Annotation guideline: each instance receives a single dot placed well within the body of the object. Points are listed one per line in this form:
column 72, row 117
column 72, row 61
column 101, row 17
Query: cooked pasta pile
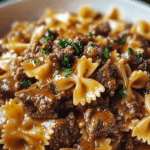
column 75, row 82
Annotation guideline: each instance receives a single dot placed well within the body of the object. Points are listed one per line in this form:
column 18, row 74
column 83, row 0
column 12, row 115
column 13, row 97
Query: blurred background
column 3, row 2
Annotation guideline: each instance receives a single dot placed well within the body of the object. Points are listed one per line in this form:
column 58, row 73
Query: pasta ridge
column 20, row 128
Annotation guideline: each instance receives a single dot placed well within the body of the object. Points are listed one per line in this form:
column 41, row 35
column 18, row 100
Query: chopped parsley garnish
column 37, row 87
column 66, row 61
column 80, row 47
column 64, row 43
column 74, row 45
column 106, row 51
column 57, row 72
column 120, row 42
column 127, row 144
column 113, row 71
column 48, row 37
column 4, row 48
column 103, row 107
column 36, row 61
column 119, row 56
column 145, row 65
column 26, row 83
column 91, row 45
column 139, row 55
column 49, row 33
column 45, row 51
column 125, row 88
column 103, row 62
column 69, row 71
column 123, row 92
column 91, row 34
column 131, row 51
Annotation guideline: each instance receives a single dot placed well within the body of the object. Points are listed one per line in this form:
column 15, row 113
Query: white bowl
column 28, row 10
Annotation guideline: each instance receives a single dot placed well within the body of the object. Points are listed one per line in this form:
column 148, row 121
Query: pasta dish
column 75, row 81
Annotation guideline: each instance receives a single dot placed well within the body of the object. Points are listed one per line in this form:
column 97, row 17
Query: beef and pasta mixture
column 75, row 81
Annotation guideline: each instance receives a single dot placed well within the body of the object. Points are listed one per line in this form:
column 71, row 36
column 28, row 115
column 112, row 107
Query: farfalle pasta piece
column 103, row 144
column 141, row 27
column 115, row 27
column 40, row 72
column 137, row 80
column 17, row 47
column 123, row 110
column 5, row 75
column 114, row 14
column 6, row 59
column 123, row 70
column 37, row 33
column 116, row 21
column 142, row 128
column 85, row 89
column 100, row 39
column 85, row 17
column 20, row 131
column 134, row 44
column 85, row 11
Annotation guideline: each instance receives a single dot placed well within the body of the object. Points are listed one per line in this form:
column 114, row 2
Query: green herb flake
column 45, row 51
column 139, row 55
column 106, row 51
column 49, row 33
column 66, row 61
column 48, row 37
column 4, row 47
column 103, row 107
column 36, row 61
column 74, row 45
column 79, row 47
column 119, row 56
column 68, row 70
column 91, row 45
column 130, row 51
column 113, row 71
column 125, row 88
column 145, row 65
column 90, row 34
column 122, row 41
column 37, row 87
column 103, row 62
column 57, row 72
column 123, row 92
column 26, row 83
column 64, row 43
